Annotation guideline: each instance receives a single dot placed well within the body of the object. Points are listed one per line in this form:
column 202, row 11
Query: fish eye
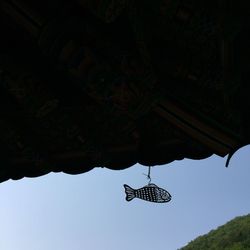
column 165, row 196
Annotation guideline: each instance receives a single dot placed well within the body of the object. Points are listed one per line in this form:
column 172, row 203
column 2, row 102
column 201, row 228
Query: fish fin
column 151, row 185
column 130, row 192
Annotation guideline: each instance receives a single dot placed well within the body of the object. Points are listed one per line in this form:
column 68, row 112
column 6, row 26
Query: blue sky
column 89, row 211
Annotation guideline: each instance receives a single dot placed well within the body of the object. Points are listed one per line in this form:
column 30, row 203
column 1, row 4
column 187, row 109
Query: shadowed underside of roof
column 107, row 84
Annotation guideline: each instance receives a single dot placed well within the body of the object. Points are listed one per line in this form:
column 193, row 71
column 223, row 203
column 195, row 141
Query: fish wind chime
column 150, row 192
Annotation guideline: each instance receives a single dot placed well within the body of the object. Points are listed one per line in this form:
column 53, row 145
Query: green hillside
column 234, row 235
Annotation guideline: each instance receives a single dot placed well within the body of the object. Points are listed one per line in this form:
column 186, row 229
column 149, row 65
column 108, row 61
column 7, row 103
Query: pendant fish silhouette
column 151, row 192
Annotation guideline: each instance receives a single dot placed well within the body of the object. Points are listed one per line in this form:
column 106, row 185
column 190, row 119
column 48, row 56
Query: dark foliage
column 234, row 235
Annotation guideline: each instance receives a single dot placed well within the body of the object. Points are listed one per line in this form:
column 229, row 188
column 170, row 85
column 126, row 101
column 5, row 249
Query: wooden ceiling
column 110, row 84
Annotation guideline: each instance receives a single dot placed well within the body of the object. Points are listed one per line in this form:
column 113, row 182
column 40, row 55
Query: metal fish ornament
column 150, row 192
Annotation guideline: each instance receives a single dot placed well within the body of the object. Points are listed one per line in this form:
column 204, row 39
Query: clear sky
column 89, row 211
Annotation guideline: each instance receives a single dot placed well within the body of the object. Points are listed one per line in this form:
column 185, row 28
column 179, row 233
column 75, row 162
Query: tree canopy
column 234, row 235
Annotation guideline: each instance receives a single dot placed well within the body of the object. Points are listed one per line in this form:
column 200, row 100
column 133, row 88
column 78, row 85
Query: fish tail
column 130, row 192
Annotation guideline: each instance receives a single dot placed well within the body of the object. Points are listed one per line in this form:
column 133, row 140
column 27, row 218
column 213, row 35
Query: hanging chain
column 148, row 175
